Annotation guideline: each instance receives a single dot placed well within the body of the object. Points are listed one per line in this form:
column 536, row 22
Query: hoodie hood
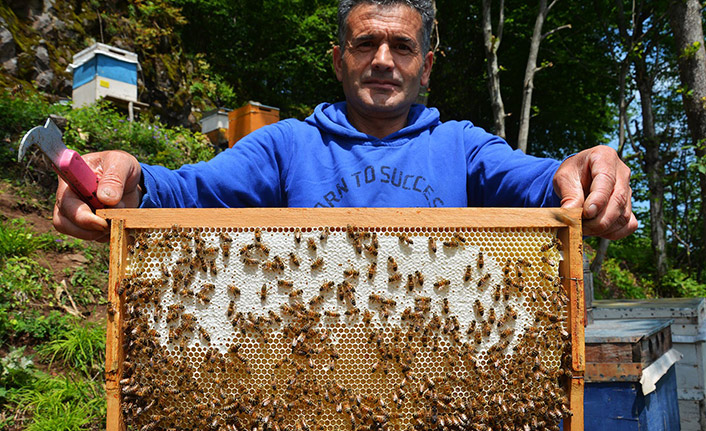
column 331, row 118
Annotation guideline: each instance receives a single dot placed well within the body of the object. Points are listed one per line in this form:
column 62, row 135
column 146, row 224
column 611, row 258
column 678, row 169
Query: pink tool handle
column 79, row 176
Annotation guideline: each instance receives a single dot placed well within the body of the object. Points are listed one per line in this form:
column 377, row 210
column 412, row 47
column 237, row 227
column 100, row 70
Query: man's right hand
column 118, row 187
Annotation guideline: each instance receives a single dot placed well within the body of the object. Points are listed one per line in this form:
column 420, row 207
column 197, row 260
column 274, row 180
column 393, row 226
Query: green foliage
column 620, row 282
column 100, row 127
column 61, row 402
column 21, row 113
column 38, row 326
column 677, row 281
column 81, row 347
column 17, row 239
column 22, row 281
column 16, row 370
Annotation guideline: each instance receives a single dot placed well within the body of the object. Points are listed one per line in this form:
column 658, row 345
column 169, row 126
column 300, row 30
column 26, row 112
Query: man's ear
column 338, row 62
column 426, row 72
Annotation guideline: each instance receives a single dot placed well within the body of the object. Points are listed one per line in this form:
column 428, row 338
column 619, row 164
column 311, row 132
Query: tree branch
column 551, row 32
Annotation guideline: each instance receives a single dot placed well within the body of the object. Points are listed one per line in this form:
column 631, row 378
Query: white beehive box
column 104, row 71
column 688, row 335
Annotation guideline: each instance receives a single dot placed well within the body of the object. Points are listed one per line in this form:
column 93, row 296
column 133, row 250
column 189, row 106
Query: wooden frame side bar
column 364, row 217
column 114, row 355
column 572, row 267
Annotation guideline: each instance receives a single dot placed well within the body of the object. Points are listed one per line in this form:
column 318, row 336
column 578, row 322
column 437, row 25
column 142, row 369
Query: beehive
column 274, row 319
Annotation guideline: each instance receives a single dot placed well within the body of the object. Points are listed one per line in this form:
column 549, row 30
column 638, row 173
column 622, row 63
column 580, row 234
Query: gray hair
column 424, row 7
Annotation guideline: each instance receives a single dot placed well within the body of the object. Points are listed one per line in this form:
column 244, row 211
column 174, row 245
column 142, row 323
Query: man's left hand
column 599, row 182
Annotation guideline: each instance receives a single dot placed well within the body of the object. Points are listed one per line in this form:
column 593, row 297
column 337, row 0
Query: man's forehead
column 400, row 20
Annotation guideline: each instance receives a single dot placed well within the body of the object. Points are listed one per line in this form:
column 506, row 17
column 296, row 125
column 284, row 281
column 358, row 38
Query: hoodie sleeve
column 246, row 175
column 499, row 176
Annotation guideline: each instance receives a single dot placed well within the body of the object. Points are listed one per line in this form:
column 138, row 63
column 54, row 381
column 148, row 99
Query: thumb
column 116, row 172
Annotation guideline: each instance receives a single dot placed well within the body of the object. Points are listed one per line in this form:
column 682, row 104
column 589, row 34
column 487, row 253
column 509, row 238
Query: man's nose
column 383, row 58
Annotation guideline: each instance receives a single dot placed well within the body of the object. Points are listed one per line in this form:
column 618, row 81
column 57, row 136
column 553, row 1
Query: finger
column 617, row 214
column 74, row 217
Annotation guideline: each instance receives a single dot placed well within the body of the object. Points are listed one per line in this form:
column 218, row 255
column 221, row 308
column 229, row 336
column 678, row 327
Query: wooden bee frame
column 566, row 224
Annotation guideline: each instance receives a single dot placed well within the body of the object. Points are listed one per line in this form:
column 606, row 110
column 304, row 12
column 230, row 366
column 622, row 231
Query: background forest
column 552, row 77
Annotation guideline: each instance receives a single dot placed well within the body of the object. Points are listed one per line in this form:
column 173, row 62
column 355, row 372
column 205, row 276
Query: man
column 376, row 149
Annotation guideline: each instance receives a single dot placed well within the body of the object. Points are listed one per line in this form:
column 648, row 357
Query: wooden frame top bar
column 313, row 217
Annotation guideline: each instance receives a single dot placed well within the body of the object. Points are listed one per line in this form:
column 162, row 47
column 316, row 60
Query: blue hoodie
column 326, row 162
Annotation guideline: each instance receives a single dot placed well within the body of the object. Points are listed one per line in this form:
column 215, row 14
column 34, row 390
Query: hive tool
column 67, row 163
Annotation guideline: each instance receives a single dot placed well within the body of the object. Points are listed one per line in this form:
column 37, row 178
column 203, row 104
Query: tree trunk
column 685, row 20
column 530, row 70
column 603, row 243
column 492, row 43
column 653, row 166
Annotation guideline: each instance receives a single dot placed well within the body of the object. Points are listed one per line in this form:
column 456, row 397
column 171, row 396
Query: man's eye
column 403, row 47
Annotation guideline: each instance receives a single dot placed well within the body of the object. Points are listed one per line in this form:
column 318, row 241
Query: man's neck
column 378, row 126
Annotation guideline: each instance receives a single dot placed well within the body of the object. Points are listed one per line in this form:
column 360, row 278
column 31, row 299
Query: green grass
column 63, row 402
column 81, row 347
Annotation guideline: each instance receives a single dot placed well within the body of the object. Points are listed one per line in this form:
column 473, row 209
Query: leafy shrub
column 19, row 114
column 38, row 326
column 677, row 281
column 619, row 282
column 100, row 127
column 81, row 347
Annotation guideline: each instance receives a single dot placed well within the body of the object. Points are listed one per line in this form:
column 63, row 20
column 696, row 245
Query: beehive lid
column 623, row 331
column 679, row 309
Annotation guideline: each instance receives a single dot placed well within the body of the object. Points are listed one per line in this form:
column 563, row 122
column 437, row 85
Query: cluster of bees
column 493, row 366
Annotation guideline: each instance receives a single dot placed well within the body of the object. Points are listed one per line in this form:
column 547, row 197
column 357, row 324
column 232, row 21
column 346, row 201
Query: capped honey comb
column 330, row 326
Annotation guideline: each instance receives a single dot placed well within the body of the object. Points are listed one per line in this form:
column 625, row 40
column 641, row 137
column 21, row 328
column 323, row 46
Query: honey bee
column 351, row 273
column 311, row 244
column 394, row 278
column 546, row 261
column 367, row 317
column 506, row 333
column 432, row 244
column 296, row 294
column 511, row 312
column 316, row 301
column 285, row 284
column 332, row 314
column 326, row 287
column 452, row 243
column 442, row 283
column 258, row 235
column 234, row 290
column 204, row 334
column 486, row 328
column 250, row 261
column 372, row 269
column 410, row 282
column 270, row 266
column 294, row 259
column 405, row 239
column 491, row 315
column 263, row 292
column 324, row 234
column 231, row 308
column 497, row 290
column 484, row 280
column 546, row 276
column 317, row 264
column 419, row 278
column 479, row 307
column 297, row 235
column 480, row 260
column 391, row 263
column 468, row 274
column 445, row 306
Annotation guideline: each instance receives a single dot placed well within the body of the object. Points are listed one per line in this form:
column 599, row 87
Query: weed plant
column 80, row 347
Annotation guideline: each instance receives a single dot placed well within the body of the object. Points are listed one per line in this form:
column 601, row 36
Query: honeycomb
column 336, row 327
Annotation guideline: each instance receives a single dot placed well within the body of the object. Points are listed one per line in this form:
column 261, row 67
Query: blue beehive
column 103, row 71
